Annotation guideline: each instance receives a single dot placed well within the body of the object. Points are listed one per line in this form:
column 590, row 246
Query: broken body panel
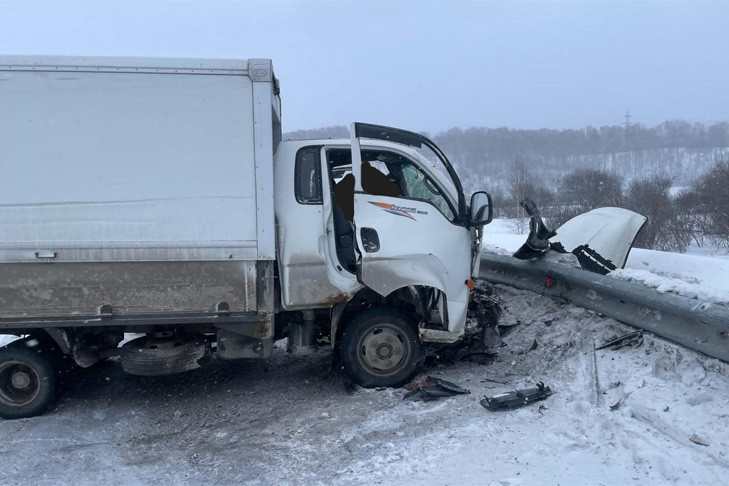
column 608, row 231
column 601, row 239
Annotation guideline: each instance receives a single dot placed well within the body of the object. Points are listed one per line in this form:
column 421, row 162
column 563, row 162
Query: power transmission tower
column 627, row 117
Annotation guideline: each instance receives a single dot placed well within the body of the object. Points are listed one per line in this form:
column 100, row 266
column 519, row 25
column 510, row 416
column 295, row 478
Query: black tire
column 63, row 365
column 147, row 357
column 27, row 382
column 380, row 348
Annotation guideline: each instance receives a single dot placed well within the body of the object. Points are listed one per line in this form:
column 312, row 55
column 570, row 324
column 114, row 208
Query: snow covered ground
column 654, row 414
column 6, row 339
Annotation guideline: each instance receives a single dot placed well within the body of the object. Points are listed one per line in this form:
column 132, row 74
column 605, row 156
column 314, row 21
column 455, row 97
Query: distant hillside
column 485, row 156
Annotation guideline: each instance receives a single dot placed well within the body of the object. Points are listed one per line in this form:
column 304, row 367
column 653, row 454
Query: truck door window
column 307, row 184
column 398, row 177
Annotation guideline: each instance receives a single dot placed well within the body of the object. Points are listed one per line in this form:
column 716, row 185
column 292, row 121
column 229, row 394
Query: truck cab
column 409, row 242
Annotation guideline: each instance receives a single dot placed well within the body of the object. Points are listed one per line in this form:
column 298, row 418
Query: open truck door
column 411, row 226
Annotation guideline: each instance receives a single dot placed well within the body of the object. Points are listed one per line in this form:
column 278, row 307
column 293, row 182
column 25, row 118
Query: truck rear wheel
column 27, row 382
column 380, row 348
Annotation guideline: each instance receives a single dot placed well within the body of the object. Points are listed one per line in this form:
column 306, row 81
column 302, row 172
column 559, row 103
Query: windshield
column 418, row 186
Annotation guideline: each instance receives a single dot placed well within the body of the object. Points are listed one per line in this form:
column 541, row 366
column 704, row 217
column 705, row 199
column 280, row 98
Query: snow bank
column 685, row 286
column 501, row 237
column 688, row 275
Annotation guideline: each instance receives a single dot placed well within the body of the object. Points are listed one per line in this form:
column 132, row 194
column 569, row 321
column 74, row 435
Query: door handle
column 45, row 254
column 370, row 240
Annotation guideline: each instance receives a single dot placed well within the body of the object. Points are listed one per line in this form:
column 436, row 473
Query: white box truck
column 156, row 196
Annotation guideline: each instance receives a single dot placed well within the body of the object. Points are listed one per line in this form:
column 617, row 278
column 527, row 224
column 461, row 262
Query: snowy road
column 289, row 420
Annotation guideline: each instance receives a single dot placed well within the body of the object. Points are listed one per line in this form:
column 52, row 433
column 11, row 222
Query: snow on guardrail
column 696, row 324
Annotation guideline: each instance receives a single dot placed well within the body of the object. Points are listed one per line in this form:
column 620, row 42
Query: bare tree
column 520, row 186
column 708, row 203
column 583, row 190
column 688, row 204
column 665, row 229
column 589, row 189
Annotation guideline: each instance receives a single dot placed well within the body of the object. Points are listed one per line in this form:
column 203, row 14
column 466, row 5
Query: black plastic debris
column 481, row 339
column 517, row 398
column 633, row 339
column 592, row 261
column 537, row 242
column 483, row 306
column 491, row 340
column 433, row 389
column 486, row 310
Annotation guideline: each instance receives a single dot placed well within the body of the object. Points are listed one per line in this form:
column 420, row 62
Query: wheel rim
column 19, row 383
column 383, row 350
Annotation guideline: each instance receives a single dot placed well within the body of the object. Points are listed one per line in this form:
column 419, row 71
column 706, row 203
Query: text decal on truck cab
column 399, row 210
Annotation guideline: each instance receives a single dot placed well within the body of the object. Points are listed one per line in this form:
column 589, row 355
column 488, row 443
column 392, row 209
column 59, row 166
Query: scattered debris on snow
column 482, row 337
column 433, row 389
column 289, row 420
column 633, row 339
column 262, row 421
column 517, row 398
column 698, row 440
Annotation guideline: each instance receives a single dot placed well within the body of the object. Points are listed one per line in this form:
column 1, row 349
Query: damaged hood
column 608, row 231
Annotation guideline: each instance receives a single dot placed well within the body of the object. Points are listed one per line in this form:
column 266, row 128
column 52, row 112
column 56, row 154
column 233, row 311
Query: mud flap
column 234, row 345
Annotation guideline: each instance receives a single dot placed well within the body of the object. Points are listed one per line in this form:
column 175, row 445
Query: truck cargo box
column 137, row 185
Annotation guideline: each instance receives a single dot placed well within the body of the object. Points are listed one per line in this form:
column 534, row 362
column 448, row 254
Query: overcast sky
column 425, row 66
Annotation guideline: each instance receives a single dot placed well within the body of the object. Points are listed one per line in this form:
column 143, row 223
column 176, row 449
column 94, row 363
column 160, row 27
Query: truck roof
column 257, row 69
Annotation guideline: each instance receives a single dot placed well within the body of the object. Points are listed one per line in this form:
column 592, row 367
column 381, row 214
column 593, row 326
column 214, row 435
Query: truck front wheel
column 27, row 382
column 380, row 348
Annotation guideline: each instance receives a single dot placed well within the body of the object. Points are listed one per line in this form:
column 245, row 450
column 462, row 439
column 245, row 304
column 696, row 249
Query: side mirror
column 481, row 211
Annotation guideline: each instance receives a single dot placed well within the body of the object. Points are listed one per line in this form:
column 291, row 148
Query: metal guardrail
column 698, row 325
